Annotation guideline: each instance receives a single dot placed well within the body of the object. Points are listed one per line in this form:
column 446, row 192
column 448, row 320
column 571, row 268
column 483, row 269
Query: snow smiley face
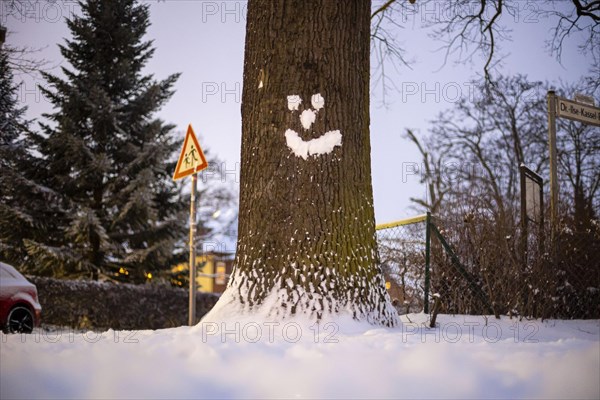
column 324, row 144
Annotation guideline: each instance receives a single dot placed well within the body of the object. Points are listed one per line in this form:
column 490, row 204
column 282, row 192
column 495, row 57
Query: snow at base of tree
column 463, row 357
column 289, row 300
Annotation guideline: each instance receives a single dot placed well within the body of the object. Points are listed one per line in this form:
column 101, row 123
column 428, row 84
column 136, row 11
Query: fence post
column 427, row 259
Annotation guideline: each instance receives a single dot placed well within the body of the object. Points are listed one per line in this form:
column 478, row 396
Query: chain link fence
column 476, row 267
column 402, row 250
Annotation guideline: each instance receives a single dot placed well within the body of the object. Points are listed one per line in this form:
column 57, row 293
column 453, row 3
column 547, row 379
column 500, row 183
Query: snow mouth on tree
column 324, row 144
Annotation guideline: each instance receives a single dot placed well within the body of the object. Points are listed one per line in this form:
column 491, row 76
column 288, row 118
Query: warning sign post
column 191, row 161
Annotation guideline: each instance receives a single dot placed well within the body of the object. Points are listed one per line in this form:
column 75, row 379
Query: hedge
column 106, row 305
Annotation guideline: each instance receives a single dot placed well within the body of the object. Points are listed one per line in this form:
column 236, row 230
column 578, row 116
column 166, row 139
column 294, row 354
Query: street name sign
column 576, row 111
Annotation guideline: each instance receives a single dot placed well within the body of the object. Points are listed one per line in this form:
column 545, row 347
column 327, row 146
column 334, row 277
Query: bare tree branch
column 381, row 9
column 22, row 60
column 587, row 10
column 469, row 28
column 385, row 47
column 581, row 18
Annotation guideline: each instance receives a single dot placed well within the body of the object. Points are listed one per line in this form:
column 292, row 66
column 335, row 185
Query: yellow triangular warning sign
column 191, row 159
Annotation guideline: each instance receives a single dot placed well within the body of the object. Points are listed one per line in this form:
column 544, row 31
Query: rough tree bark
column 306, row 227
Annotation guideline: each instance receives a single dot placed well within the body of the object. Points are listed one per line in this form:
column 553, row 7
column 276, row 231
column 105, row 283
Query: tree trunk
column 306, row 241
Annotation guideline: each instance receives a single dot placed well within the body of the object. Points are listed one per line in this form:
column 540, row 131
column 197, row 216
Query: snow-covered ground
column 461, row 358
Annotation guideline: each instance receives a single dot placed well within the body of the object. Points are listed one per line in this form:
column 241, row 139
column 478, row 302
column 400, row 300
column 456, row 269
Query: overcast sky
column 204, row 40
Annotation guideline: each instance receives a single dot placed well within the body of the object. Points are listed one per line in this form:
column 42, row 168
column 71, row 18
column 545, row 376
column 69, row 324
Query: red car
column 20, row 310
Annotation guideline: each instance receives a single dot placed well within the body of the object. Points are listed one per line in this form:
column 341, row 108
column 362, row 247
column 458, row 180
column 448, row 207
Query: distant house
column 213, row 271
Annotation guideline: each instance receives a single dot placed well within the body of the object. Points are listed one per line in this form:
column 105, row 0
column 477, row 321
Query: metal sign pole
column 191, row 161
column 524, row 232
column 553, row 161
column 193, row 286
